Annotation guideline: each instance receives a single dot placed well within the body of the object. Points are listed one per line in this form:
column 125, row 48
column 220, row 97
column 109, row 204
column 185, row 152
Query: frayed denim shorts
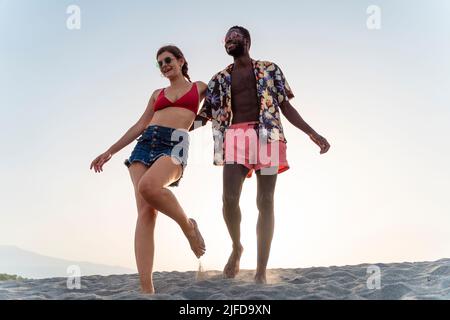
column 156, row 142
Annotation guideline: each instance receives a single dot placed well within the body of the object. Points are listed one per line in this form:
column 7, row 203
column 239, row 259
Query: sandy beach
column 419, row 280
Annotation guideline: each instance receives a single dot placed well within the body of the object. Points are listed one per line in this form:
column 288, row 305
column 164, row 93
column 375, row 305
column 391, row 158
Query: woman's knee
column 147, row 215
column 148, row 190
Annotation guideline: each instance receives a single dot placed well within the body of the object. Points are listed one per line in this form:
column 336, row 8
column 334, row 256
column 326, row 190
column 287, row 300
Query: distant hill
column 5, row 277
column 27, row 264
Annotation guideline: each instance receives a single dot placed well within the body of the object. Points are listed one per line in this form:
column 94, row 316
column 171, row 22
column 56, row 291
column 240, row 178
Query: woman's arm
column 200, row 121
column 127, row 138
column 201, row 90
column 137, row 128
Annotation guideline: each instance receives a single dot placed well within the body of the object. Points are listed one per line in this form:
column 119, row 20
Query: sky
column 379, row 96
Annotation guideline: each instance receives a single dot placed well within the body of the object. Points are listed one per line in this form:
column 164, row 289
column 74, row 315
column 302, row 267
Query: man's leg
column 233, row 179
column 265, row 226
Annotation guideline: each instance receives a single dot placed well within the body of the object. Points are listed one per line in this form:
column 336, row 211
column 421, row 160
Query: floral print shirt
column 272, row 90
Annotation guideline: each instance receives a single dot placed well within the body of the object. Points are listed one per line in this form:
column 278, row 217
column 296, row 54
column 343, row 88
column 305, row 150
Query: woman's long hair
column 178, row 54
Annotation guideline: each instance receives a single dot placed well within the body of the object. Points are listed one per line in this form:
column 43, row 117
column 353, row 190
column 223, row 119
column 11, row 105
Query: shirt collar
column 229, row 69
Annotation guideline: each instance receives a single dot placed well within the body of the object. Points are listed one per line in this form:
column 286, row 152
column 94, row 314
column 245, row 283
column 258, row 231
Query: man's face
column 235, row 43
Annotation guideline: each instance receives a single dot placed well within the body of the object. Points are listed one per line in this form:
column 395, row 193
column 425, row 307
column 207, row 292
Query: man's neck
column 243, row 61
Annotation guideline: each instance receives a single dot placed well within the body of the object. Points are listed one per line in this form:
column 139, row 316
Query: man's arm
column 294, row 117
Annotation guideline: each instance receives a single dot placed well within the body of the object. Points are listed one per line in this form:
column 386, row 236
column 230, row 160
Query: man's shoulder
column 223, row 72
column 266, row 64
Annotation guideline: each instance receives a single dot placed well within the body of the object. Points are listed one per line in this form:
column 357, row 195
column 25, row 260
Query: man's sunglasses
column 233, row 34
column 166, row 60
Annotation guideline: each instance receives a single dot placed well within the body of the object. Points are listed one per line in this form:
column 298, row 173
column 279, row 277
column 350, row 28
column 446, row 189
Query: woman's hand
column 98, row 162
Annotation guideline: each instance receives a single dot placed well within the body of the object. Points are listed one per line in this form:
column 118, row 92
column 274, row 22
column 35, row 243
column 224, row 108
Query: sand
column 419, row 280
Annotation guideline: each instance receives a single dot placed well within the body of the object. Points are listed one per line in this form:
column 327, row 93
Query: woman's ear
column 181, row 61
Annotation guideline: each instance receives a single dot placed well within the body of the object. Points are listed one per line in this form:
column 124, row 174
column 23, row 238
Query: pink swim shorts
column 243, row 146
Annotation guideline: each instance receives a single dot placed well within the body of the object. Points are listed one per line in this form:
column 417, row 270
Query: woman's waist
column 164, row 128
column 159, row 133
column 174, row 119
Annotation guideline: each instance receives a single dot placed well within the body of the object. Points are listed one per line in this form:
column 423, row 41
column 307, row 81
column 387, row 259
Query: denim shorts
column 157, row 141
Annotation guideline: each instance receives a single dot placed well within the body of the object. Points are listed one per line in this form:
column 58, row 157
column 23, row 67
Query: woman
column 159, row 158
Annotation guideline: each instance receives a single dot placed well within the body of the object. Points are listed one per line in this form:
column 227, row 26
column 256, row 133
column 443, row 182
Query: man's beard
column 237, row 51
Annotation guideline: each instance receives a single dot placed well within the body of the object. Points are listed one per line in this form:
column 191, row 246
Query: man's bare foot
column 232, row 267
column 196, row 240
column 260, row 278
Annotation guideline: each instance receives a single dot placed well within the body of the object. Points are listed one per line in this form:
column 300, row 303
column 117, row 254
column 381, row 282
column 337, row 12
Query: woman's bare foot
column 196, row 240
column 232, row 267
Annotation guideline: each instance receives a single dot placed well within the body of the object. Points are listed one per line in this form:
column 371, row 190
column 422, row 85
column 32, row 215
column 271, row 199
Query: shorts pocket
column 168, row 143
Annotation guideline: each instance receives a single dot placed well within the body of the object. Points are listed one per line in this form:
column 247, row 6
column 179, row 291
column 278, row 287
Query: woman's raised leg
column 152, row 187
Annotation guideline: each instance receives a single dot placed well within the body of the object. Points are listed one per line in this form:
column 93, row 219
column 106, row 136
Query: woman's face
column 169, row 65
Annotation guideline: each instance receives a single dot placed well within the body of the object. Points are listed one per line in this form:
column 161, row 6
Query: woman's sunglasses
column 166, row 60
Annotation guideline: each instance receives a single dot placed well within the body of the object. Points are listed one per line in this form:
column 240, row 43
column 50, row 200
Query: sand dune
column 419, row 280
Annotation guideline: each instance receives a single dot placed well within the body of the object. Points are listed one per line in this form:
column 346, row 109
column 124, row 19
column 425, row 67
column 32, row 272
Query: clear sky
column 380, row 97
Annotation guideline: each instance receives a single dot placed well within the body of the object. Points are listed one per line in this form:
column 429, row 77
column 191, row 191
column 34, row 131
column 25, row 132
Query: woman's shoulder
column 201, row 85
column 157, row 92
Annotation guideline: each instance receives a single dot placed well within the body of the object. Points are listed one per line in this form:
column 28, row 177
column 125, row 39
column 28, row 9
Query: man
column 244, row 102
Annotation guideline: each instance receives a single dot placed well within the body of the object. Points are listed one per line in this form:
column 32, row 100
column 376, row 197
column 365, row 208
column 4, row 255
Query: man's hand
column 294, row 117
column 320, row 141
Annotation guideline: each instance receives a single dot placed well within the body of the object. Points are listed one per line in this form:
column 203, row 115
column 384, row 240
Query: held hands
column 320, row 141
column 98, row 162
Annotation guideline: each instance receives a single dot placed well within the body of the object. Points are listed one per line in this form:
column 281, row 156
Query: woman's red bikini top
column 188, row 101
